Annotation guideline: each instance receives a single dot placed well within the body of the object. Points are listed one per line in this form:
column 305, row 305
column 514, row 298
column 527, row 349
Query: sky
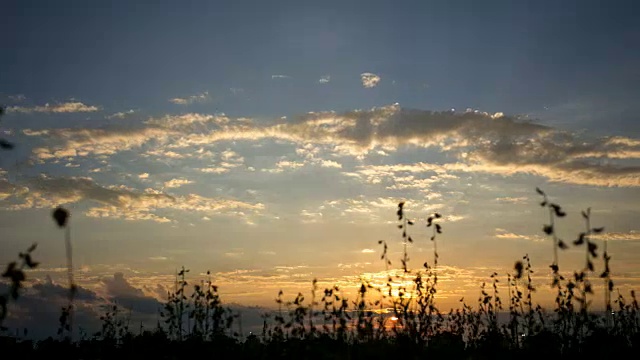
column 271, row 142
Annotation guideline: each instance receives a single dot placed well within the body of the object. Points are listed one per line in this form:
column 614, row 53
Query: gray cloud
column 121, row 292
column 39, row 305
column 38, row 309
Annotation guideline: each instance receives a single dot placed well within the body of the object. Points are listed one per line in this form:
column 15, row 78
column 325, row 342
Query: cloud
column 118, row 202
column 512, row 200
column 330, row 164
column 67, row 107
column 186, row 121
column 158, row 258
column 476, row 142
column 85, row 142
column 214, row 170
column 38, row 308
column 234, row 254
column 174, row 183
column 121, row 115
column 121, row 292
column 309, row 217
column 197, row 98
column 280, row 77
column 7, row 189
column 286, row 164
column 17, row 98
column 367, row 251
column 325, row 79
column 504, row 234
column 231, row 157
column 369, row 80
column 373, row 210
column 633, row 235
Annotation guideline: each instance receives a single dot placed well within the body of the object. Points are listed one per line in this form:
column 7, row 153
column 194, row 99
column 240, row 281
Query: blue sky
column 516, row 58
column 270, row 142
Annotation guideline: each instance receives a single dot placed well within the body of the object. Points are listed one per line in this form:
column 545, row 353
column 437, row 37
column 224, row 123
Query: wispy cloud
column 197, row 98
column 325, row 79
column 310, row 217
column 369, row 80
column 512, row 200
column 174, row 183
column 121, row 114
column 117, row 202
column 66, row 107
column 633, row 235
column 17, row 98
column 505, row 234
column 158, row 258
column 280, row 76
column 234, row 254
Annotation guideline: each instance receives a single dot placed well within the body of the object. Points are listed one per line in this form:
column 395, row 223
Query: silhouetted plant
column 384, row 256
column 582, row 278
column 4, row 144
column 529, row 299
column 608, row 283
column 550, row 229
column 437, row 229
column 564, row 295
column 407, row 318
column 61, row 218
column 115, row 328
column 16, row 275
column 405, row 237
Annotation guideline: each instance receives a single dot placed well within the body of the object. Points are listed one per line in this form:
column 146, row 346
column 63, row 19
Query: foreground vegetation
column 399, row 318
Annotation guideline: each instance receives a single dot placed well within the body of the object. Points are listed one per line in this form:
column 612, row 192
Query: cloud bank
column 477, row 142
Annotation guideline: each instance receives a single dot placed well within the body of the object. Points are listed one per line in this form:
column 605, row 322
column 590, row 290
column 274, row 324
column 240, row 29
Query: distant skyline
column 270, row 142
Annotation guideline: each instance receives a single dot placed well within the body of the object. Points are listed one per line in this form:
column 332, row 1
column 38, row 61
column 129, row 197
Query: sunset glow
column 272, row 146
